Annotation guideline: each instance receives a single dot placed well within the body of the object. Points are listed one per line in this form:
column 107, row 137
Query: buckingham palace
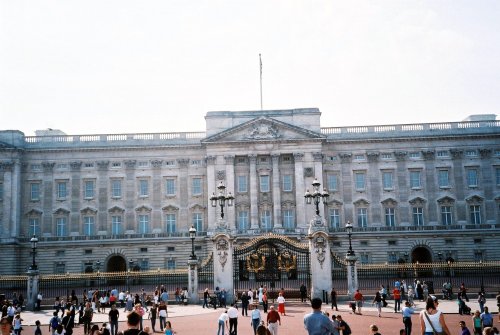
column 422, row 192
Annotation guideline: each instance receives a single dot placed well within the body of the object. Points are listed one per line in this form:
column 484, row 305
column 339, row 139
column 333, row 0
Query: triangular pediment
column 263, row 128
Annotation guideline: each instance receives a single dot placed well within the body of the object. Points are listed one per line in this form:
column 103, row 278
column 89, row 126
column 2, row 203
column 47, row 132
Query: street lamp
column 348, row 227
column 317, row 195
column 221, row 198
column 98, row 265
column 192, row 236
column 34, row 242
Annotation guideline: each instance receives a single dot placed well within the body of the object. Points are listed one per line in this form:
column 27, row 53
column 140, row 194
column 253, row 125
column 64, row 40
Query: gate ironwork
column 273, row 261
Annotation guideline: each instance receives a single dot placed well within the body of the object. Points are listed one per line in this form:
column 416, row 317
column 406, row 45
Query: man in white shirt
column 232, row 313
column 222, row 321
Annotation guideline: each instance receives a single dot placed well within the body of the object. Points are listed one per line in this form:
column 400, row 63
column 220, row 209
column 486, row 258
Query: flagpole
column 260, row 61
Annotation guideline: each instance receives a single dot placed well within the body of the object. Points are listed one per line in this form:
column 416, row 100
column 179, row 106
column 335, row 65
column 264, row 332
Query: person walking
column 256, row 319
column 281, row 304
column 113, row 316
column 88, row 313
column 481, row 299
column 396, row 293
column 133, row 323
column 162, row 313
column 486, row 318
column 407, row 312
column 303, row 293
column 273, row 321
column 358, row 299
column 265, row 302
column 463, row 328
column 477, row 323
column 232, row 313
column 222, row 322
column 153, row 314
column 333, row 297
column 244, row 304
column 205, row 298
column 431, row 319
column 316, row 323
column 377, row 301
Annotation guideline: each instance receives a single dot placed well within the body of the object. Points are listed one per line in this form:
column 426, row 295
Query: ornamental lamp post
column 34, row 242
column 192, row 236
column 352, row 272
column 348, row 227
column 221, row 199
column 317, row 195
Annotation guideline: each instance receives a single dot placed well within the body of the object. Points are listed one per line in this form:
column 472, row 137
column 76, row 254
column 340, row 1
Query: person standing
column 153, row 313
column 463, row 292
column 358, row 298
column 431, row 319
column 256, row 319
column 273, row 320
column 88, row 313
column 333, row 297
column 205, row 298
column 316, row 323
column 477, row 322
column 68, row 322
column 244, row 304
column 222, row 322
column 486, row 318
column 133, row 323
column 407, row 312
column 396, row 293
column 265, row 302
column 281, row 303
column 162, row 313
column 113, row 319
column 232, row 313
column 481, row 299
column 303, row 293
column 463, row 328
column 377, row 300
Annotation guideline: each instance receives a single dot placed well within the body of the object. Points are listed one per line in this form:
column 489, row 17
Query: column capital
column 317, row 156
column 298, row 156
column 156, row 163
column 48, row 166
column 75, row 165
column 211, row 160
column 252, row 158
column 229, row 159
column 102, row 165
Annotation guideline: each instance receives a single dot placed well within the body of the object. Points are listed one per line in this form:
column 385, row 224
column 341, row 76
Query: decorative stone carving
column 428, row 154
column 102, row 165
column 345, row 157
column 48, row 166
column 221, row 175
column 252, row 158
column 229, row 159
column 75, row 165
column 372, row 156
column 275, row 158
column 88, row 211
column 222, row 246
column 417, row 201
column 317, row 156
column 446, row 201
column 298, row 156
column 485, row 153
column 400, row 155
column 287, row 261
column 319, row 243
column 262, row 131
column 389, row 202
column 211, row 159
column 130, row 163
column 183, row 162
column 456, row 153
column 308, row 172
column 157, row 163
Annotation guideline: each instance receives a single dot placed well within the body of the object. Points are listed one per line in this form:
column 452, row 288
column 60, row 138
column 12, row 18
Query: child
column 18, row 327
column 38, row 331
column 168, row 329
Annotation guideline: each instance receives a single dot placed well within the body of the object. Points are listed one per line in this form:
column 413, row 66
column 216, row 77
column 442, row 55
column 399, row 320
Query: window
column 143, row 223
column 446, row 217
column 88, row 165
column 34, row 226
column 392, row 258
column 415, row 181
column 443, row 178
column 287, row 183
column 387, row 180
column 116, row 225
column 362, row 217
column 170, row 248
column 386, row 156
column 242, row 184
column 198, row 221
column 497, row 179
column 62, row 166
column 359, row 157
column 392, row 242
column 143, row 164
column 1, row 191
column 414, row 155
column 472, row 177
column 331, row 180
column 196, row 186
column 334, row 218
column 62, row 189
column 171, row 264
column 61, row 226
column 443, row 153
column 170, row 187
column 265, row 220
column 60, row 268
column 144, row 264
column 418, row 216
column 243, row 221
column 35, row 191
column 390, row 217
column 364, row 258
column 359, row 180
column 36, row 167
column 475, row 214
column 143, row 249
column 116, row 188
column 264, row 183
column 170, row 163
column 143, row 188
column 288, row 219
column 470, row 153
column 170, row 223
column 88, row 225
column 116, row 165
column 478, row 256
column 88, row 189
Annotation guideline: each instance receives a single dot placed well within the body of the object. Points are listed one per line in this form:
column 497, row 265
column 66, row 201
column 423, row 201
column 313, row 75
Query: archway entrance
column 116, row 264
column 421, row 255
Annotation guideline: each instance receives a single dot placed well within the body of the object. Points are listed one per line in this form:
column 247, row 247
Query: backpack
column 54, row 322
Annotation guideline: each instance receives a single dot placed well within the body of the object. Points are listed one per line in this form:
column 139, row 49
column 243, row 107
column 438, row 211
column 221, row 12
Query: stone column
column 32, row 291
column 193, row 281
column 300, row 190
column 230, row 187
column 321, row 262
column 223, row 264
column 212, row 187
column 254, row 208
column 276, row 193
column 352, row 275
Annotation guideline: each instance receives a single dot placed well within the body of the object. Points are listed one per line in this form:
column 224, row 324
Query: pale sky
column 92, row 67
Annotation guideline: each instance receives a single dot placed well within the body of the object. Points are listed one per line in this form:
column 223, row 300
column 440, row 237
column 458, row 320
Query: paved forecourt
column 201, row 321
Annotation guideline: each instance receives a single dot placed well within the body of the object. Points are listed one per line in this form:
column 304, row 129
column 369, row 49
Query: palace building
column 422, row 192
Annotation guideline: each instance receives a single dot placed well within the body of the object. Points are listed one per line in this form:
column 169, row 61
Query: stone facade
column 414, row 192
